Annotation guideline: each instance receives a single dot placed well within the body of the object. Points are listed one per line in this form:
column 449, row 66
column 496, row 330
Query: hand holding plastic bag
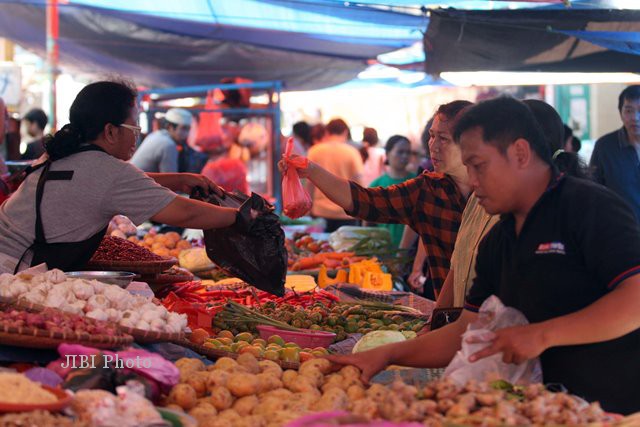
column 493, row 316
column 253, row 248
column 296, row 200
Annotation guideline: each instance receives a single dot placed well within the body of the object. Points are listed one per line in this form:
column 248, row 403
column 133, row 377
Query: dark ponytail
column 95, row 106
column 554, row 133
column 64, row 143
column 570, row 164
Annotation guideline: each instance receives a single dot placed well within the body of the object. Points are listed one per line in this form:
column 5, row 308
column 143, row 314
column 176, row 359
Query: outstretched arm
column 431, row 350
column 183, row 212
column 185, row 182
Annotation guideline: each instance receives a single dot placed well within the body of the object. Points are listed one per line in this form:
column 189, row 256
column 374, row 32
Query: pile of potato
column 248, row 393
column 163, row 244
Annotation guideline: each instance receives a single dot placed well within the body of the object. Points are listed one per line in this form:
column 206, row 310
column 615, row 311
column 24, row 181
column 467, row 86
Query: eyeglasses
column 135, row 129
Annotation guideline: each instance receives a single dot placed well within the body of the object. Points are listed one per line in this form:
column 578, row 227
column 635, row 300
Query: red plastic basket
column 306, row 339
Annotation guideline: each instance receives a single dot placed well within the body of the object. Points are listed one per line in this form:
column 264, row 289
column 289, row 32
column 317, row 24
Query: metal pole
column 277, row 149
column 52, row 59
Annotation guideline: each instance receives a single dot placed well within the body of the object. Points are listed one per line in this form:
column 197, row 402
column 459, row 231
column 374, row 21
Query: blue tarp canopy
column 307, row 44
column 167, row 43
column 570, row 40
column 620, row 41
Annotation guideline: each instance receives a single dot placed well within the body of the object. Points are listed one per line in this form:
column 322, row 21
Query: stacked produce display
column 242, row 356
column 245, row 392
column 91, row 299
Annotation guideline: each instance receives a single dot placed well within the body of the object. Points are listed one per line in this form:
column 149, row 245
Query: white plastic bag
column 493, row 316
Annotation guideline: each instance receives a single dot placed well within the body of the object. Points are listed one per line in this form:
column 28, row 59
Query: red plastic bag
column 209, row 132
column 296, row 200
column 230, row 174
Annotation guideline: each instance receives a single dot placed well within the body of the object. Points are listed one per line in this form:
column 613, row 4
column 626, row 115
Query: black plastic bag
column 252, row 249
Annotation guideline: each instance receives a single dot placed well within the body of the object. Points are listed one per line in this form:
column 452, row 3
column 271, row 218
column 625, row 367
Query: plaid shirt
column 431, row 204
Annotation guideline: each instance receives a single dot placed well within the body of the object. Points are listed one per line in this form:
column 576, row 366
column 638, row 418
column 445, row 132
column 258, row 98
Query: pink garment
column 374, row 166
column 230, row 174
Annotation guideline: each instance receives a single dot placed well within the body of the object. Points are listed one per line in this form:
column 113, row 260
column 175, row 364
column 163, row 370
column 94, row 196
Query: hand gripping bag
column 252, row 249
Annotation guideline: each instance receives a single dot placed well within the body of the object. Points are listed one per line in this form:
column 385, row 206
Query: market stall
column 239, row 327
column 261, row 123
column 220, row 352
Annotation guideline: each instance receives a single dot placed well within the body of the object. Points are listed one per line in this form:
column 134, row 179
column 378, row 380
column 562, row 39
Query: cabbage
column 195, row 260
column 348, row 237
column 376, row 339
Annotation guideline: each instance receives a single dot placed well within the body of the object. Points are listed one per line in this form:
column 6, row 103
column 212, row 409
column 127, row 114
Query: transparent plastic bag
column 493, row 316
column 295, row 198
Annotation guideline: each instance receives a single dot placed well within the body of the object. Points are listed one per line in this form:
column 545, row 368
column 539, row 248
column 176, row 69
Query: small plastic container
column 306, row 339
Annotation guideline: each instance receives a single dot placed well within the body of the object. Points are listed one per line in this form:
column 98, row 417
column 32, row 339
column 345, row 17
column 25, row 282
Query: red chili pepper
column 329, row 296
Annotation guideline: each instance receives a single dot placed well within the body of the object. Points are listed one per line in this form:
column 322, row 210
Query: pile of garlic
column 91, row 298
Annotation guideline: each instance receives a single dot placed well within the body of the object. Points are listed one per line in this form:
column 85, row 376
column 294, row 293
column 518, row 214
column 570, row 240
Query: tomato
column 304, row 356
column 314, row 247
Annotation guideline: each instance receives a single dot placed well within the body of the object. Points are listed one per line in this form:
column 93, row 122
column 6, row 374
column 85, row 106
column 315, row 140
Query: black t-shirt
column 34, row 150
column 579, row 242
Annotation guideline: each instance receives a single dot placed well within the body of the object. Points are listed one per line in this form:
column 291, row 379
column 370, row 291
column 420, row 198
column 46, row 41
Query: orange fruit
column 199, row 336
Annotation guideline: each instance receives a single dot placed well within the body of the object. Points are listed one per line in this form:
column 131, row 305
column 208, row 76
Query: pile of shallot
column 92, row 299
column 52, row 320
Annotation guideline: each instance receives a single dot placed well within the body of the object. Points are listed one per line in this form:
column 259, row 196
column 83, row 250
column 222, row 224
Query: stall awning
column 533, row 40
column 167, row 43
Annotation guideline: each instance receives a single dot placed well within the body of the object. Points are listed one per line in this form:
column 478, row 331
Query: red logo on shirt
column 551, row 248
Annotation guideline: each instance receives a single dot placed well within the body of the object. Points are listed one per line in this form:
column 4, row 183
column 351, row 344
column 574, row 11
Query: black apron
column 67, row 256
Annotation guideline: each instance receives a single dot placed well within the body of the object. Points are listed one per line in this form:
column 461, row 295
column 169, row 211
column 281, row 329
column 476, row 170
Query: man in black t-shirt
column 566, row 253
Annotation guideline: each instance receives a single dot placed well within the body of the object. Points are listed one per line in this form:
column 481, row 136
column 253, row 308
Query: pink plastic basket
column 306, row 339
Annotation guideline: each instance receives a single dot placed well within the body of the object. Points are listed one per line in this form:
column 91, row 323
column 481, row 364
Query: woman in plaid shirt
column 431, row 204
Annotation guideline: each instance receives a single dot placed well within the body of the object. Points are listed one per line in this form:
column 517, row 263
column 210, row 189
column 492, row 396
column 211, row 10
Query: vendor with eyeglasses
column 61, row 211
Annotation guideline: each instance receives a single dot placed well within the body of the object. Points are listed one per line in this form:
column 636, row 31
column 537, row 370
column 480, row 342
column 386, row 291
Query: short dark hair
column 568, row 132
column 503, row 120
column 337, row 127
column 425, row 137
column 302, row 130
column 576, row 144
column 629, row 93
column 370, row 135
column 317, row 132
column 451, row 112
column 37, row 116
column 393, row 141
column 452, row 109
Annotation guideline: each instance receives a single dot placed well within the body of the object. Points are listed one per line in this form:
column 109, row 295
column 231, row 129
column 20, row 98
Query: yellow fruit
column 276, row 339
column 225, row 334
